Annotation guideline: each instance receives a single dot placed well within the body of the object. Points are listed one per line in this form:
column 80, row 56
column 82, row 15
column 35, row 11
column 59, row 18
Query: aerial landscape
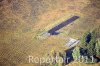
column 49, row 32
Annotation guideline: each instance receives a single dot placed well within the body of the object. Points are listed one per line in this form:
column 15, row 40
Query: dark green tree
column 83, row 42
column 88, row 42
column 91, row 45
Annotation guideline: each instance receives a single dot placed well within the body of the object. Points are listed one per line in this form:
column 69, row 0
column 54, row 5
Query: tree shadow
column 69, row 57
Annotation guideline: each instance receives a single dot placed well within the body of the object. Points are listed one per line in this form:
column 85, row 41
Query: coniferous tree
column 83, row 43
column 91, row 46
column 98, row 48
column 76, row 53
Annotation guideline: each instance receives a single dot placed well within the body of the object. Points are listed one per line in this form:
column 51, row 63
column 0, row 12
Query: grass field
column 21, row 21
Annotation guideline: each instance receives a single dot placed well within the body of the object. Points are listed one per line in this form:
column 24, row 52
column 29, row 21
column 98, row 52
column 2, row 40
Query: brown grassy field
column 21, row 21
